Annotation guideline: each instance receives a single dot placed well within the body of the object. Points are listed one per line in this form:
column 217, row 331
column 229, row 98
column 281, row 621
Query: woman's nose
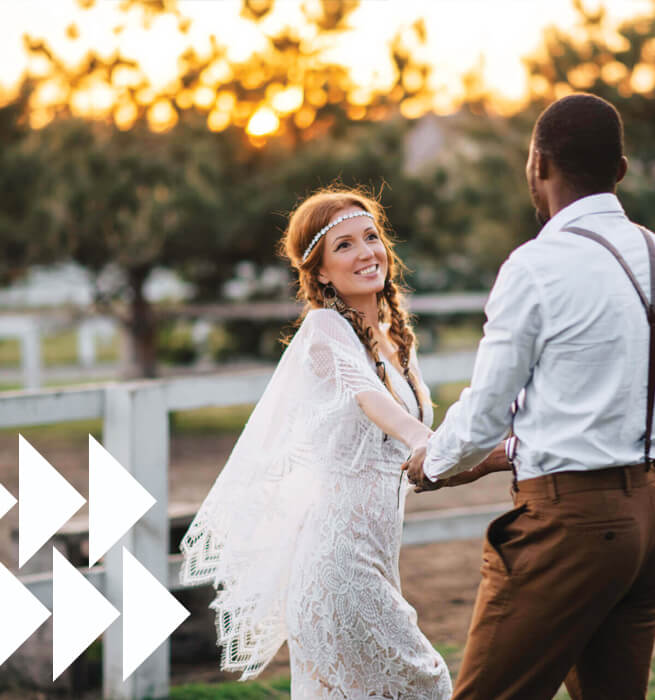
column 364, row 251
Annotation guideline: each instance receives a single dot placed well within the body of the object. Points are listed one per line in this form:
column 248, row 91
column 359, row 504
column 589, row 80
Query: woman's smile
column 370, row 271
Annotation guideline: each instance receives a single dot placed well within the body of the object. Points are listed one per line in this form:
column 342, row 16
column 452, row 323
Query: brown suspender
column 649, row 307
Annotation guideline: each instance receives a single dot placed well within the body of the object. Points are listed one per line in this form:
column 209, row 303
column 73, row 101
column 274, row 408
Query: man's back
column 585, row 405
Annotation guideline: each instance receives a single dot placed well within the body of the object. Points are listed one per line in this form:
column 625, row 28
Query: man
column 568, row 575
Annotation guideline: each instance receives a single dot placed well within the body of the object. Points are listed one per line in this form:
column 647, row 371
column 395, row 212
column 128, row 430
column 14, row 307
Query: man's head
column 576, row 150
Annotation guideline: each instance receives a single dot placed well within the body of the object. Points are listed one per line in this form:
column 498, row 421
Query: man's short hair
column 583, row 135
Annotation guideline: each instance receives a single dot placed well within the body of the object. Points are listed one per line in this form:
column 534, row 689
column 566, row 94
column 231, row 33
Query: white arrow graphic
column 116, row 500
column 150, row 613
column 80, row 613
column 21, row 613
column 46, row 501
column 7, row 501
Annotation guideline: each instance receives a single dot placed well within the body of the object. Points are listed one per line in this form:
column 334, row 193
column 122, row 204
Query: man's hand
column 496, row 461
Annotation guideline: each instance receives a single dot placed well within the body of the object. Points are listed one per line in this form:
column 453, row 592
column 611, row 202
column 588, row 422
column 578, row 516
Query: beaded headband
column 332, row 224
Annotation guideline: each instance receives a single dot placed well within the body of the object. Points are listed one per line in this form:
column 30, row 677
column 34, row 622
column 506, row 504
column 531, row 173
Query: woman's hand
column 414, row 467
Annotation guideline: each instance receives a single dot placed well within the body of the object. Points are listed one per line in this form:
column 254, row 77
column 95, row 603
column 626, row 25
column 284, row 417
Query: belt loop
column 627, row 481
column 552, row 487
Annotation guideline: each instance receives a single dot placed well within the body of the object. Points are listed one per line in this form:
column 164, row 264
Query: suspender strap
column 651, row 359
column 649, row 307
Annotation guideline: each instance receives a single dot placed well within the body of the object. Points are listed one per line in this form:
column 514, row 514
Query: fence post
column 135, row 432
column 30, row 339
column 86, row 343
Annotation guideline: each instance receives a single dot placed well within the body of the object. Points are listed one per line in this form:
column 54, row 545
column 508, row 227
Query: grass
column 280, row 687
column 58, row 349
column 444, row 396
column 224, row 420
column 461, row 336
column 73, row 433
column 233, row 690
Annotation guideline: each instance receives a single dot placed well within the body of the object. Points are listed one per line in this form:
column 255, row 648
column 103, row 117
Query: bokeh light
column 262, row 75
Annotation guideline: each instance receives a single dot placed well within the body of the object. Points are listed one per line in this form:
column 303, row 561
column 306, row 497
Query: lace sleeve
column 336, row 359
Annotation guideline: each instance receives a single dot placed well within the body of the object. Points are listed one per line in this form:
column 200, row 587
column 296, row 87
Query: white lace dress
column 301, row 532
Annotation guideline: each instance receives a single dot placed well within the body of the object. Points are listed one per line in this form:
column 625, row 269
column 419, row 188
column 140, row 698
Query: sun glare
column 466, row 54
column 289, row 100
column 642, row 79
column 263, row 122
column 125, row 114
column 162, row 116
column 218, row 120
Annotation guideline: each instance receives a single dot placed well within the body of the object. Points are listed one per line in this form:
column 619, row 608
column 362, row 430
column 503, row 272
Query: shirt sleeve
column 336, row 359
column 507, row 354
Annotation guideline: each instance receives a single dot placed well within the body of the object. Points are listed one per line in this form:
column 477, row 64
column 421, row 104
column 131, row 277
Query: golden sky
column 461, row 35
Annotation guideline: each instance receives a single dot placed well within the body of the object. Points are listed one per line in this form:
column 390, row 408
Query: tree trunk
column 141, row 330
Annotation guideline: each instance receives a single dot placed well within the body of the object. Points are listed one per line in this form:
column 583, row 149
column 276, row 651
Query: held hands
column 415, row 474
column 496, row 461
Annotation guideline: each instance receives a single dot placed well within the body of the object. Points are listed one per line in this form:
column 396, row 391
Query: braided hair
column 310, row 216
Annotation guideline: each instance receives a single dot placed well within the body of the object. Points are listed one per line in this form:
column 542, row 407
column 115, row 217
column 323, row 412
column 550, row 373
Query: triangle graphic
column 116, row 500
column 80, row 613
column 46, row 501
column 150, row 613
column 7, row 501
column 21, row 613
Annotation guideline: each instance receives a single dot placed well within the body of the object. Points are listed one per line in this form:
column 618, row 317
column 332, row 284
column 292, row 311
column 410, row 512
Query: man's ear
column 542, row 165
column 623, row 169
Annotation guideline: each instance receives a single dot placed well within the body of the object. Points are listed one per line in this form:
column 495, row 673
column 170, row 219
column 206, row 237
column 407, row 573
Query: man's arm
column 507, row 354
column 496, row 461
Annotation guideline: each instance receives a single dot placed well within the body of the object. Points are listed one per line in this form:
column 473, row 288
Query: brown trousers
column 567, row 591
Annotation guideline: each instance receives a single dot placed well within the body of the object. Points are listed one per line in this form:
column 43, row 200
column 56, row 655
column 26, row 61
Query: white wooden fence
column 135, row 431
column 26, row 329
column 30, row 329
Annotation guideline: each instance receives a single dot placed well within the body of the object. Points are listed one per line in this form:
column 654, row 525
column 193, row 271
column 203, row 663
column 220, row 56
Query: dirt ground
column 439, row 580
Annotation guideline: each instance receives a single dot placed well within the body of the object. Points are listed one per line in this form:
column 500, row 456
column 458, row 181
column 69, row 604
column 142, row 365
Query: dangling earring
column 329, row 296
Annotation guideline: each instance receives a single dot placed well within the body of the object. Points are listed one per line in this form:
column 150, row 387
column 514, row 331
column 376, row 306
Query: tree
column 139, row 177
column 618, row 65
column 23, row 178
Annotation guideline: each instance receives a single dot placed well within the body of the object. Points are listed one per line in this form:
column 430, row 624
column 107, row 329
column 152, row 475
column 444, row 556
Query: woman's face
column 354, row 257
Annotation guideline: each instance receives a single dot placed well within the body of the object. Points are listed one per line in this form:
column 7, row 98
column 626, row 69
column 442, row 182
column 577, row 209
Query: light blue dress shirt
column 563, row 322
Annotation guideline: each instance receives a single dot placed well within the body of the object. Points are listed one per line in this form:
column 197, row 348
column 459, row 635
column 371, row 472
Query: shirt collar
column 593, row 204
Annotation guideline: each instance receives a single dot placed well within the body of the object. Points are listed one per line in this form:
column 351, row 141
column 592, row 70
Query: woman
column 301, row 532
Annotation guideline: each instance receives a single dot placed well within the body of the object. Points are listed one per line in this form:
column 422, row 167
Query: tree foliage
column 118, row 186
column 618, row 65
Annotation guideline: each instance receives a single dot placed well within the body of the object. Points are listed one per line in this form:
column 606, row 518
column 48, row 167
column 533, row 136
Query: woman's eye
column 341, row 245
column 372, row 235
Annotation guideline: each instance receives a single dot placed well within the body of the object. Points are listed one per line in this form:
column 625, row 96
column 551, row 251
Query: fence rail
column 30, row 329
column 132, row 410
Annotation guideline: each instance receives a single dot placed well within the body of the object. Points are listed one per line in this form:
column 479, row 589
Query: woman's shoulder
column 330, row 323
column 325, row 319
